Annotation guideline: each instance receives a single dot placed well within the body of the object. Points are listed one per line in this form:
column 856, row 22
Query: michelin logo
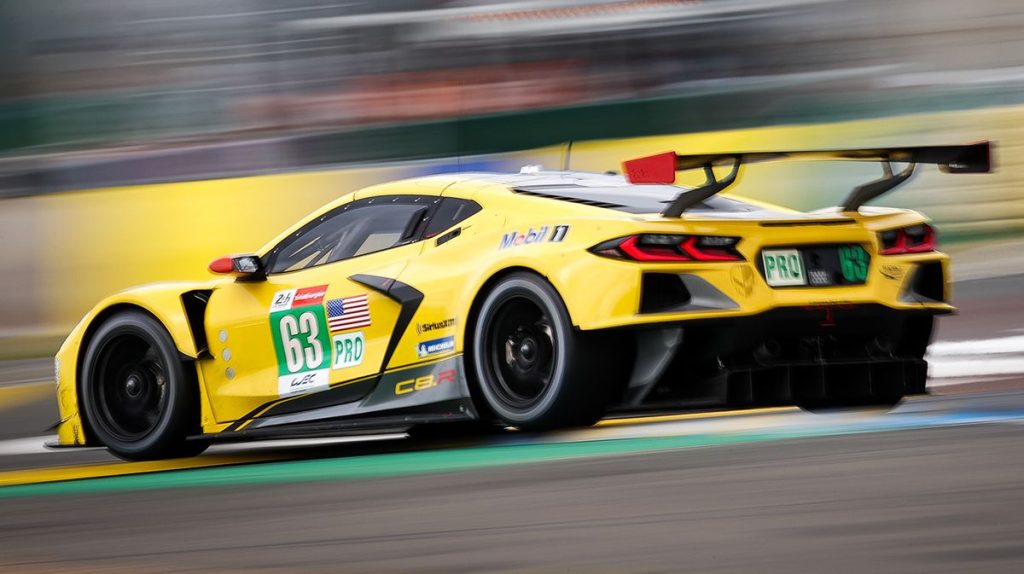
column 435, row 346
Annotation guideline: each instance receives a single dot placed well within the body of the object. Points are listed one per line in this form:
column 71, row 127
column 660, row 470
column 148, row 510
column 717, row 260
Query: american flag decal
column 348, row 313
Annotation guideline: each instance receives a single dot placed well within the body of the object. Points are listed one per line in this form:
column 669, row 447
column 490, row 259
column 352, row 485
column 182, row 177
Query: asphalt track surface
column 935, row 486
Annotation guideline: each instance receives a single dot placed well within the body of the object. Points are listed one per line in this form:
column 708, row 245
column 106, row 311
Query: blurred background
column 139, row 139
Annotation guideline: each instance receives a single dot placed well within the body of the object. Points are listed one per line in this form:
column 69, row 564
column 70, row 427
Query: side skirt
column 445, row 412
column 435, row 392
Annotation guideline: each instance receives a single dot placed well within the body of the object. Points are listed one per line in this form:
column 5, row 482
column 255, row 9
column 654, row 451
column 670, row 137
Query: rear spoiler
column 662, row 168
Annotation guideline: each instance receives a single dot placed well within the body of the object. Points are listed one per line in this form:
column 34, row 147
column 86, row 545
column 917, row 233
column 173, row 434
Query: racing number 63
column 300, row 338
column 853, row 262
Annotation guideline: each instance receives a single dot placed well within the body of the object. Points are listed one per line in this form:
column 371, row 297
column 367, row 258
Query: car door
column 309, row 326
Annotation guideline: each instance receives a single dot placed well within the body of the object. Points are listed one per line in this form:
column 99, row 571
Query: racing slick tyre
column 137, row 396
column 533, row 370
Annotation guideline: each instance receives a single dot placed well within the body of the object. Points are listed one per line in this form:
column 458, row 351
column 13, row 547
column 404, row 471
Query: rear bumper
column 806, row 355
column 634, row 295
column 847, row 382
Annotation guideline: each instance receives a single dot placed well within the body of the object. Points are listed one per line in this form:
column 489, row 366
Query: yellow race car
column 536, row 300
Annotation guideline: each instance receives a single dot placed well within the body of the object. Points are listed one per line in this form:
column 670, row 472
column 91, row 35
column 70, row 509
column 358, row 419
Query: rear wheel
column 137, row 396
column 534, row 371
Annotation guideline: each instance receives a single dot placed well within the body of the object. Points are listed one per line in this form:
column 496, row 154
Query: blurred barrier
column 60, row 253
column 74, row 76
column 709, row 109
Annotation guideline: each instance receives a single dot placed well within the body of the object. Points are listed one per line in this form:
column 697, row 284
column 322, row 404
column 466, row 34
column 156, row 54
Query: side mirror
column 245, row 267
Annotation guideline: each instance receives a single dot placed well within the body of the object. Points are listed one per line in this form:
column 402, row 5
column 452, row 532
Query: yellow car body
column 410, row 366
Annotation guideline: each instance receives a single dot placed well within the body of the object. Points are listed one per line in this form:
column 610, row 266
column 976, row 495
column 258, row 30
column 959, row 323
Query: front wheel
column 533, row 369
column 137, row 398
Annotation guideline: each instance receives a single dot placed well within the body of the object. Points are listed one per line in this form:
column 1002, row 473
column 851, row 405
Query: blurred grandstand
column 287, row 82
column 107, row 95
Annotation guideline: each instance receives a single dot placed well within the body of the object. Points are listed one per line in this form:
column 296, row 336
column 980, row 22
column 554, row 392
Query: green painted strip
column 370, row 466
column 401, row 464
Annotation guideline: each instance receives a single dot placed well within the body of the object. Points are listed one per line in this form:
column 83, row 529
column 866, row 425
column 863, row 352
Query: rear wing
column 662, row 168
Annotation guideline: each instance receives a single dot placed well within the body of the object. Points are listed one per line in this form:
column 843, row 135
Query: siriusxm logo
column 435, row 346
column 435, row 325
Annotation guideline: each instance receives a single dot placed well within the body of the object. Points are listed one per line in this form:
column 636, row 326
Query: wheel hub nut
column 526, row 349
column 132, row 386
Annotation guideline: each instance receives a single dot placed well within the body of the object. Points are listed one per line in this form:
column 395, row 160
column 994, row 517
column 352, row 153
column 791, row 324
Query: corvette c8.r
column 536, row 300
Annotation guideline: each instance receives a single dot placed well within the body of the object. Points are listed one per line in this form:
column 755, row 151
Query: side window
column 354, row 229
column 450, row 212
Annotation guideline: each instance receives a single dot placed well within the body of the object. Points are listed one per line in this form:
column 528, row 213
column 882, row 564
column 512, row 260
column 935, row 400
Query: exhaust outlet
column 880, row 347
column 768, row 352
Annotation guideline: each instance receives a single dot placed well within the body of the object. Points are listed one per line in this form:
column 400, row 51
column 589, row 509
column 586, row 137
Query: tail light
column 914, row 239
column 670, row 248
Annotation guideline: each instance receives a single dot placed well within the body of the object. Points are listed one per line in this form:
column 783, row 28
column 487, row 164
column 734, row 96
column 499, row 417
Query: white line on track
column 243, row 447
column 1000, row 356
column 21, row 446
column 980, row 367
column 37, row 444
column 998, row 346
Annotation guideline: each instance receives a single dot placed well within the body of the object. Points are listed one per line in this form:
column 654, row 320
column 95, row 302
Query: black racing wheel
column 137, row 397
column 533, row 369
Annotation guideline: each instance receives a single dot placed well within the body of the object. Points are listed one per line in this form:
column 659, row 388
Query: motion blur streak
column 109, row 239
column 107, row 470
column 779, row 479
column 643, row 438
column 140, row 139
column 13, row 396
column 110, row 95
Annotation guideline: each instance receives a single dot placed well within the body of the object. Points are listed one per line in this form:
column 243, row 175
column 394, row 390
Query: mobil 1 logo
column 542, row 233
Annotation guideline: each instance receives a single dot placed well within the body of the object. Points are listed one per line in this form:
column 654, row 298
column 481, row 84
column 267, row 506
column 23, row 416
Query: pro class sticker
column 435, row 346
column 298, row 326
column 348, row 350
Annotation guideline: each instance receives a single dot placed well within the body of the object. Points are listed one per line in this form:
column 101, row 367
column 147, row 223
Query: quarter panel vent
column 663, row 292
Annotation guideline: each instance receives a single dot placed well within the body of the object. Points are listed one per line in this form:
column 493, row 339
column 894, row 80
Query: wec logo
column 306, row 380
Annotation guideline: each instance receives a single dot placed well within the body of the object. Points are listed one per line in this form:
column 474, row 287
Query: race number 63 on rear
column 298, row 326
